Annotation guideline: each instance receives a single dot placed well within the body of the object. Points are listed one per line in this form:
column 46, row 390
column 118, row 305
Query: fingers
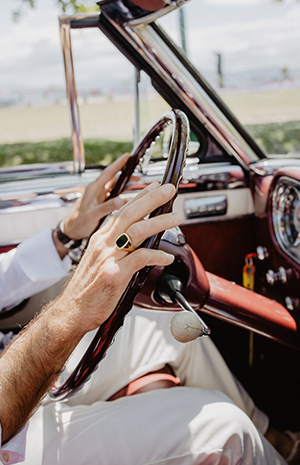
column 110, row 184
column 140, row 231
column 106, row 208
column 142, row 193
column 142, row 206
column 112, row 170
column 145, row 257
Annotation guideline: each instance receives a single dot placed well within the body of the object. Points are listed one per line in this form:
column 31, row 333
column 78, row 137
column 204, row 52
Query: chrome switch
column 205, row 206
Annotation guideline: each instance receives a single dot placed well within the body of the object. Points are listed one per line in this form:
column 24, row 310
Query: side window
column 35, row 124
column 152, row 105
column 34, row 113
column 105, row 88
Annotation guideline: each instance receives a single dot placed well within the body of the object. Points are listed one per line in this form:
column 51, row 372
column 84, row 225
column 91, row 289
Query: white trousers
column 211, row 420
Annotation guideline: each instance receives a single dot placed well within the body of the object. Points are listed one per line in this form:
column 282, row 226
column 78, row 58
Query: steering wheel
column 173, row 174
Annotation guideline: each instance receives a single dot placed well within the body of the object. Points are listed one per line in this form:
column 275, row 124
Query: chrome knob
column 272, row 276
column 282, row 275
column 262, row 252
column 289, row 304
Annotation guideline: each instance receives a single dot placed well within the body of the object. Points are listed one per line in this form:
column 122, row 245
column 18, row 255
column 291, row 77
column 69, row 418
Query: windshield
column 249, row 53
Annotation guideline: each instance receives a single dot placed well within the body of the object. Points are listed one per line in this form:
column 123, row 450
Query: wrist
column 61, row 249
column 71, row 227
column 64, row 243
column 68, row 228
column 62, row 324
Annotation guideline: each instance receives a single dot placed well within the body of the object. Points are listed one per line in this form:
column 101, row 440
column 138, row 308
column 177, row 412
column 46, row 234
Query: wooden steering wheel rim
column 173, row 174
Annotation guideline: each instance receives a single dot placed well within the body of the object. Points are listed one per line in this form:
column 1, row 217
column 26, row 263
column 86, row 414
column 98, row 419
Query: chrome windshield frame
column 145, row 39
column 66, row 23
column 150, row 49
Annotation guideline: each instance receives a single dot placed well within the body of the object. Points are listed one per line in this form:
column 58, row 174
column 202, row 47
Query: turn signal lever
column 187, row 325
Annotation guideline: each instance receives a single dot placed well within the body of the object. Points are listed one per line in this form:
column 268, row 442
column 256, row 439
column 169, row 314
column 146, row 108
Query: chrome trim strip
column 79, row 16
column 35, row 170
column 151, row 17
column 30, row 188
column 77, row 142
column 232, row 319
column 231, row 175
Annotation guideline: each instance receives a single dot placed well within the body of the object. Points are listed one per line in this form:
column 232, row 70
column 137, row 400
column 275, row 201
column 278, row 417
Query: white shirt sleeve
column 14, row 450
column 30, row 268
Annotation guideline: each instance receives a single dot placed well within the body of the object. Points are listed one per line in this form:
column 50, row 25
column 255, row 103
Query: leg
column 145, row 344
column 200, row 364
column 179, row 426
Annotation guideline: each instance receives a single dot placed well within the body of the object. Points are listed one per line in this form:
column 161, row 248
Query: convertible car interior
column 238, row 247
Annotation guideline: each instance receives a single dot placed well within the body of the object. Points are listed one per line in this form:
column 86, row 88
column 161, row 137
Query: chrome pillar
column 182, row 30
column 137, row 129
column 77, row 142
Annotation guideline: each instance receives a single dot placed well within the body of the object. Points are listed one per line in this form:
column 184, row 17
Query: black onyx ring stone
column 124, row 242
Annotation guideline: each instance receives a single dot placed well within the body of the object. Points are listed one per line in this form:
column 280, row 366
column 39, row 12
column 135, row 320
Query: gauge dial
column 286, row 216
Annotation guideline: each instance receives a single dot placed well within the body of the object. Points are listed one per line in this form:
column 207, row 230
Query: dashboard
column 286, row 215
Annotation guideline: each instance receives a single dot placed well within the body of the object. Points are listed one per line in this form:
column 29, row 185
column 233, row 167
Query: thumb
column 109, row 206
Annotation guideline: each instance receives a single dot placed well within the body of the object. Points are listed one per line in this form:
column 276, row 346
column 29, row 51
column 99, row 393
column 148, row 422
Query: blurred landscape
column 248, row 51
column 39, row 134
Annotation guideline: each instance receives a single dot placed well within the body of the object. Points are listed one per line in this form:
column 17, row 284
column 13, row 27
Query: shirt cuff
column 40, row 260
column 14, row 450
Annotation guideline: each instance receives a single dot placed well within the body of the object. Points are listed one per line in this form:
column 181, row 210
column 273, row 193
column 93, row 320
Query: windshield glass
column 249, row 53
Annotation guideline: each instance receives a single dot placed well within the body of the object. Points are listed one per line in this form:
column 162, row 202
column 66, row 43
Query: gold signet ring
column 124, row 242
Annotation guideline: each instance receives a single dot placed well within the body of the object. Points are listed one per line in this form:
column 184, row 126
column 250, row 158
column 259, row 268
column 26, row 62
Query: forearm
column 31, row 364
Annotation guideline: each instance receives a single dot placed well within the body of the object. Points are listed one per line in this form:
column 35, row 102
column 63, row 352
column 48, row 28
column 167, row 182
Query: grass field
column 274, row 138
column 41, row 134
column 97, row 151
column 114, row 120
column 264, row 107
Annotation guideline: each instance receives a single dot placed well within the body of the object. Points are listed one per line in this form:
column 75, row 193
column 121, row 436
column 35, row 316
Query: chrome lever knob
column 186, row 327
column 281, row 275
column 262, row 252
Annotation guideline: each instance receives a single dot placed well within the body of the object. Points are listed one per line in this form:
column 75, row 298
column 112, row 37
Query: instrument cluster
column 286, row 216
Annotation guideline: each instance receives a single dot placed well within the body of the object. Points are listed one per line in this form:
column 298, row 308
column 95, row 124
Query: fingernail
column 119, row 202
column 153, row 185
column 170, row 257
column 176, row 217
column 168, row 189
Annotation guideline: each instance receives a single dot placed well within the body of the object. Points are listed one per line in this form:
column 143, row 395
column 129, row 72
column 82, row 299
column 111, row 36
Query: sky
column 256, row 38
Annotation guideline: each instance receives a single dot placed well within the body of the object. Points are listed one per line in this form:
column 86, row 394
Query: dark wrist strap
column 67, row 242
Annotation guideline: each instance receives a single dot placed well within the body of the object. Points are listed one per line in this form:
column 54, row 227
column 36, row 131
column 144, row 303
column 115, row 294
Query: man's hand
column 33, row 361
column 90, row 208
column 105, row 271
